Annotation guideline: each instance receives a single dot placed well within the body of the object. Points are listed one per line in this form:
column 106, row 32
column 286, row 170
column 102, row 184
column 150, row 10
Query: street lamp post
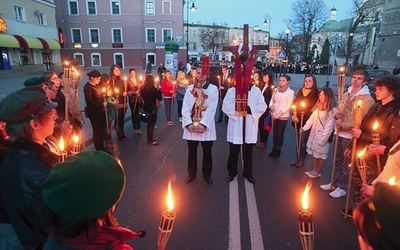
column 193, row 9
column 287, row 32
column 267, row 21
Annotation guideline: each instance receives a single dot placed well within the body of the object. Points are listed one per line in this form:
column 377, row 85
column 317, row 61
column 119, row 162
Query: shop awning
column 29, row 42
column 8, row 41
column 49, row 43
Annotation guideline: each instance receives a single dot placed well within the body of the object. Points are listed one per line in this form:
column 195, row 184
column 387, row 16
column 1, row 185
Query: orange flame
column 302, row 104
column 116, row 90
column 104, row 90
column 75, row 138
column 392, row 180
column 376, row 124
column 61, row 145
column 170, row 201
column 140, row 78
column 304, row 203
column 294, row 107
column 361, row 153
column 359, row 104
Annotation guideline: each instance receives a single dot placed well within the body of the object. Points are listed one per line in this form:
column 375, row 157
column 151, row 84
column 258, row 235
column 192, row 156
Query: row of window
column 118, row 59
column 20, row 15
column 116, row 35
column 115, row 7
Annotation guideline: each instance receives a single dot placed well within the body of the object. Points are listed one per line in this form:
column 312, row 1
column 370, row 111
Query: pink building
column 124, row 32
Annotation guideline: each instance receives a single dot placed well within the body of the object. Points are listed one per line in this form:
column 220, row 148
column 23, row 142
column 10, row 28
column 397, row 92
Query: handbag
column 144, row 116
column 268, row 122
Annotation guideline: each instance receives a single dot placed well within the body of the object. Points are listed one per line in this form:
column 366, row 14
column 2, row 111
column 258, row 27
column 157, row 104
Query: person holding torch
column 386, row 112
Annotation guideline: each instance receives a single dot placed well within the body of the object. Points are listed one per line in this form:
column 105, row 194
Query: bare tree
column 308, row 17
column 213, row 38
column 365, row 12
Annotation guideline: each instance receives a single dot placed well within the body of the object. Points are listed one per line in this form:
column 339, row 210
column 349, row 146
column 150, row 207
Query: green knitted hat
column 85, row 186
column 386, row 199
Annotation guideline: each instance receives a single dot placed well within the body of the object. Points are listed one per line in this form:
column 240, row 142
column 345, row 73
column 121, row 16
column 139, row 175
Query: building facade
column 28, row 35
column 98, row 33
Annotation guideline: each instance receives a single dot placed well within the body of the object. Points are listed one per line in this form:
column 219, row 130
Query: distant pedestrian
column 149, row 67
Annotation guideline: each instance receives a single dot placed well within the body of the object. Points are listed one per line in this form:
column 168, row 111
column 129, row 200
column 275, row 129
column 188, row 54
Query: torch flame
column 302, row 104
column 359, row 104
column 61, row 146
column 392, row 180
column 376, row 124
column 229, row 79
column 293, row 106
column 170, row 202
column 140, row 78
column 104, row 90
column 75, row 138
column 116, row 90
column 304, row 203
column 359, row 155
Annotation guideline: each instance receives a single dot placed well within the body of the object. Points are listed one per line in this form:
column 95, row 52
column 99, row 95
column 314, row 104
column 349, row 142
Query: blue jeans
column 341, row 173
column 168, row 108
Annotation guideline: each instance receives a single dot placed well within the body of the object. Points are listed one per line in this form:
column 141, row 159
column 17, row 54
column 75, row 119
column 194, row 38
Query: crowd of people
column 36, row 117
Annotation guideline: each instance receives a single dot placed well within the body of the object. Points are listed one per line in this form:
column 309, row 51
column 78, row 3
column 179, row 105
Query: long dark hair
column 149, row 83
column 315, row 84
column 112, row 71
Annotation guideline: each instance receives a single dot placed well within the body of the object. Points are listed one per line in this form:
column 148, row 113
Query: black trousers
column 234, row 150
column 120, row 125
column 207, row 158
column 98, row 121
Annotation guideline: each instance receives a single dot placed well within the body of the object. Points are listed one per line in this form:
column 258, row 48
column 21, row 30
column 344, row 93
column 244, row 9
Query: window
column 76, row 36
column 150, row 35
column 96, row 59
column 42, row 19
column 117, row 35
column 115, row 8
column 149, row 8
column 91, row 8
column 94, row 35
column 167, row 35
column 73, row 8
column 19, row 13
column 194, row 45
column 166, row 7
column 79, row 59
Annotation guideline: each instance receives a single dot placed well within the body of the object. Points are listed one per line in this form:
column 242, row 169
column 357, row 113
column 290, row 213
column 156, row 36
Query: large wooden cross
column 245, row 49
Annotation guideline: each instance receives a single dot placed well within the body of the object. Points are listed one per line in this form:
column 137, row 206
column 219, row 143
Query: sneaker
column 337, row 193
column 349, row 212
column 327, row 187
column 314, row 175
column 180, row 119
column 309, row 172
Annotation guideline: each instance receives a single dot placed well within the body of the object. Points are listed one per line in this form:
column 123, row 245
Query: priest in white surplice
column 256, row 107
column 198, row 123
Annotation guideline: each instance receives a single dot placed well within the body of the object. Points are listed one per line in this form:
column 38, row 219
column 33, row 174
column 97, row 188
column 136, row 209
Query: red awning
column 22, row 42
column 44, row 43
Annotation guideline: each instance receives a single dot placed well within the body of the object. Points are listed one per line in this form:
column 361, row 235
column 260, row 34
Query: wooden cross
column 245, row 49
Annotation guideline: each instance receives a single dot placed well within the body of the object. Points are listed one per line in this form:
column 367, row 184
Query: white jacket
column 281, row 102
column 321, row 125
column 235, row 124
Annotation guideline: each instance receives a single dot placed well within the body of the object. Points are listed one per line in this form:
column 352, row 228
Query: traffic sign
column 282, row 54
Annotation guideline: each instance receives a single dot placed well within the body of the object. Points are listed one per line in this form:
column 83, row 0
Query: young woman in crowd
column 308, row 95
column 168, row 89
column 150, row 94
column 321, row 124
